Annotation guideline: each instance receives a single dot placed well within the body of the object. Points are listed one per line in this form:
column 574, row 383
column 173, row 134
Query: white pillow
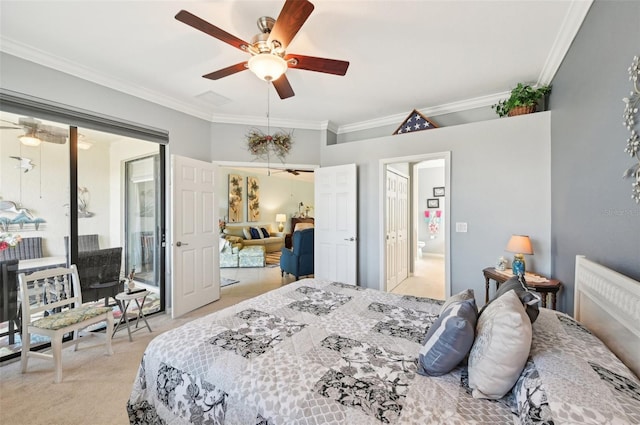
column 501, row 347
column 246, row 232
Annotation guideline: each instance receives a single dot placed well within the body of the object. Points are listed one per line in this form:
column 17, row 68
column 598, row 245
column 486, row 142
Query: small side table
column 549, row 286
column 124, row 299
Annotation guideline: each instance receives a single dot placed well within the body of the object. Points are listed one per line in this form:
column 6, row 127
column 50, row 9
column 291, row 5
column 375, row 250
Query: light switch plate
column 461, row 227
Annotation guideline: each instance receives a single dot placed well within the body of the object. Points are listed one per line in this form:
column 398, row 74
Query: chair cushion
column 69, row 317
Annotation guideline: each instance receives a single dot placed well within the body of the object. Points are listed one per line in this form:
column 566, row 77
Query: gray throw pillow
column 529, row 300
column 465, row 295
column 449, row 339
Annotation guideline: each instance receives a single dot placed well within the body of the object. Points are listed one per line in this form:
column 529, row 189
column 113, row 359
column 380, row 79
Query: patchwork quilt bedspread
column 319, row 352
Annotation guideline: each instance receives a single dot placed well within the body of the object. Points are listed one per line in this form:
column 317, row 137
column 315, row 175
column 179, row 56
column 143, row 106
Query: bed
column 320, row 352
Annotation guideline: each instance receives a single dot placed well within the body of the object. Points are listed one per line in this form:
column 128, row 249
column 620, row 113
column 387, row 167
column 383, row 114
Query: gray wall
column 592, row 210
column 229, row 144
column 500, row 184
column 188, row 136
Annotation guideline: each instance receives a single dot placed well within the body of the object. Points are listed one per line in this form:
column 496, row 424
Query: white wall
column 44, row 190
column 500, row 184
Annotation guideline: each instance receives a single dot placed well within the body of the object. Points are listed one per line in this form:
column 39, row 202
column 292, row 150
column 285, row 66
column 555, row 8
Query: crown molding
column 262, row 121
column 432, row 111
column 40, row 57
column 571, row 24
column 576, row 14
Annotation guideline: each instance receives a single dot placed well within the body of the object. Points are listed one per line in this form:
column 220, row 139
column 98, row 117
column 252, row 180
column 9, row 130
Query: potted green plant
column 523, row 100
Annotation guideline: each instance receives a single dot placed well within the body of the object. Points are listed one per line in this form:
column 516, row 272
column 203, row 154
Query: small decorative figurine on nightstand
column 501, row 264
column 131, row 285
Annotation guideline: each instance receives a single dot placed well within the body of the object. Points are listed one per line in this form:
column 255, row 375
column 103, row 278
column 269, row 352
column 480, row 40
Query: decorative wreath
column 263, row 145
column 631, row 104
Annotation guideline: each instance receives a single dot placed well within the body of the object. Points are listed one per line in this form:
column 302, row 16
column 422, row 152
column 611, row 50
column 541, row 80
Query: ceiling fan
column 36, row 132
column 295, row 172
column 269, row 60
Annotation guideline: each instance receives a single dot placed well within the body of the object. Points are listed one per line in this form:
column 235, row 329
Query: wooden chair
column 52, row 306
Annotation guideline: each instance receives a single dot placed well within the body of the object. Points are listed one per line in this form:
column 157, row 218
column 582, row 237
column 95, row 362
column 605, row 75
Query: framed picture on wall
column 433, row 203
column 438, row 191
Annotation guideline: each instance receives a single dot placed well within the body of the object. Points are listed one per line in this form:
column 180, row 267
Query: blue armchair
column 298, row 261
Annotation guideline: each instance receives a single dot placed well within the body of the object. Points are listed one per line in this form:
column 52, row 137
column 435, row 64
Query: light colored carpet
column 95, row 387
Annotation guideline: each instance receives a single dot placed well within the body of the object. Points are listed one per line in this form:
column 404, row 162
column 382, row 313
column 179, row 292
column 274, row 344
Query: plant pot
column 521, row 110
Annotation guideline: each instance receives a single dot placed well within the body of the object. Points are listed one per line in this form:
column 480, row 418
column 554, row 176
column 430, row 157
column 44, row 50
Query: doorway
column 428, row 233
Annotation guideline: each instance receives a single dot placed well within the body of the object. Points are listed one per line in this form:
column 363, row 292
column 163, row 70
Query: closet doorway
column 423, row 269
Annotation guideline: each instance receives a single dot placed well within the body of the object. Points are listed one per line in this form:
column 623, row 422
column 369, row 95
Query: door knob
column 351, row 239
column 180, row 243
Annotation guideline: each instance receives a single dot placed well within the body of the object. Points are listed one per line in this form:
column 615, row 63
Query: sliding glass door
column 142, row 225
column 77, row 195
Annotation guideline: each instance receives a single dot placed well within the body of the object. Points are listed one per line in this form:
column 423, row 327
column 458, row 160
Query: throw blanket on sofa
column 323, row 352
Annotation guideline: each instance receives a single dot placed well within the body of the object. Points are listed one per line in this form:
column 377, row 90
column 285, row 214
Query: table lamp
column 281, row 218
column 520, row 244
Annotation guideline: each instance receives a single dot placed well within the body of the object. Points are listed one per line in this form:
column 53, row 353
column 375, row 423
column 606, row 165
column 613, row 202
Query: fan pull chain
column 268, row 126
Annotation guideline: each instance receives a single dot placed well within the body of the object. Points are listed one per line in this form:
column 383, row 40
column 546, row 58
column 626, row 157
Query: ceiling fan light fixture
column 267, row 67
column 29, row 140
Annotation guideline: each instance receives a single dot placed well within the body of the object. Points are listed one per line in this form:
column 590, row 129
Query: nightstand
column 545, row 286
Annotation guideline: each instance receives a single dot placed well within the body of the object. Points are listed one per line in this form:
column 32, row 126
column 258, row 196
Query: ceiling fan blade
column 283, row 87
column 293, row 15
column 10, row 128
column 310, row 63
column 207, row 28
column 225, row 72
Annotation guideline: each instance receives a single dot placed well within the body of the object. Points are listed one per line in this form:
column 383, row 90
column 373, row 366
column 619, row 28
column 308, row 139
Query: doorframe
column 382, row 165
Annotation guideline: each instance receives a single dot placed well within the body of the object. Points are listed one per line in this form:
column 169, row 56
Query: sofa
column 242, row 234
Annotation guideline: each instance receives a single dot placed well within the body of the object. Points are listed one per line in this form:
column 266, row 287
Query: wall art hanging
column 631, row 104
column 15, row 216
column 253, row 199
column 235, row 198
column 415, row 122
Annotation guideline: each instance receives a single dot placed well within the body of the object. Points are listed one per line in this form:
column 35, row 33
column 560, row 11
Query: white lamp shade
column 29, row 140
column 520, row 244
column 281, row 218
column 267, row 67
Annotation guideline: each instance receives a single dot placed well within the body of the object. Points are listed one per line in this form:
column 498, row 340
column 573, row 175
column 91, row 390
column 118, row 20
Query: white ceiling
column 436, row 56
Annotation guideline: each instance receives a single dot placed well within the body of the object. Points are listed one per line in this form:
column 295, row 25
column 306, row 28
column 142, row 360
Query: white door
column 336, row 224
column 194, row 252
column 402, row 229
column 391, row 234
column 397, row 219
